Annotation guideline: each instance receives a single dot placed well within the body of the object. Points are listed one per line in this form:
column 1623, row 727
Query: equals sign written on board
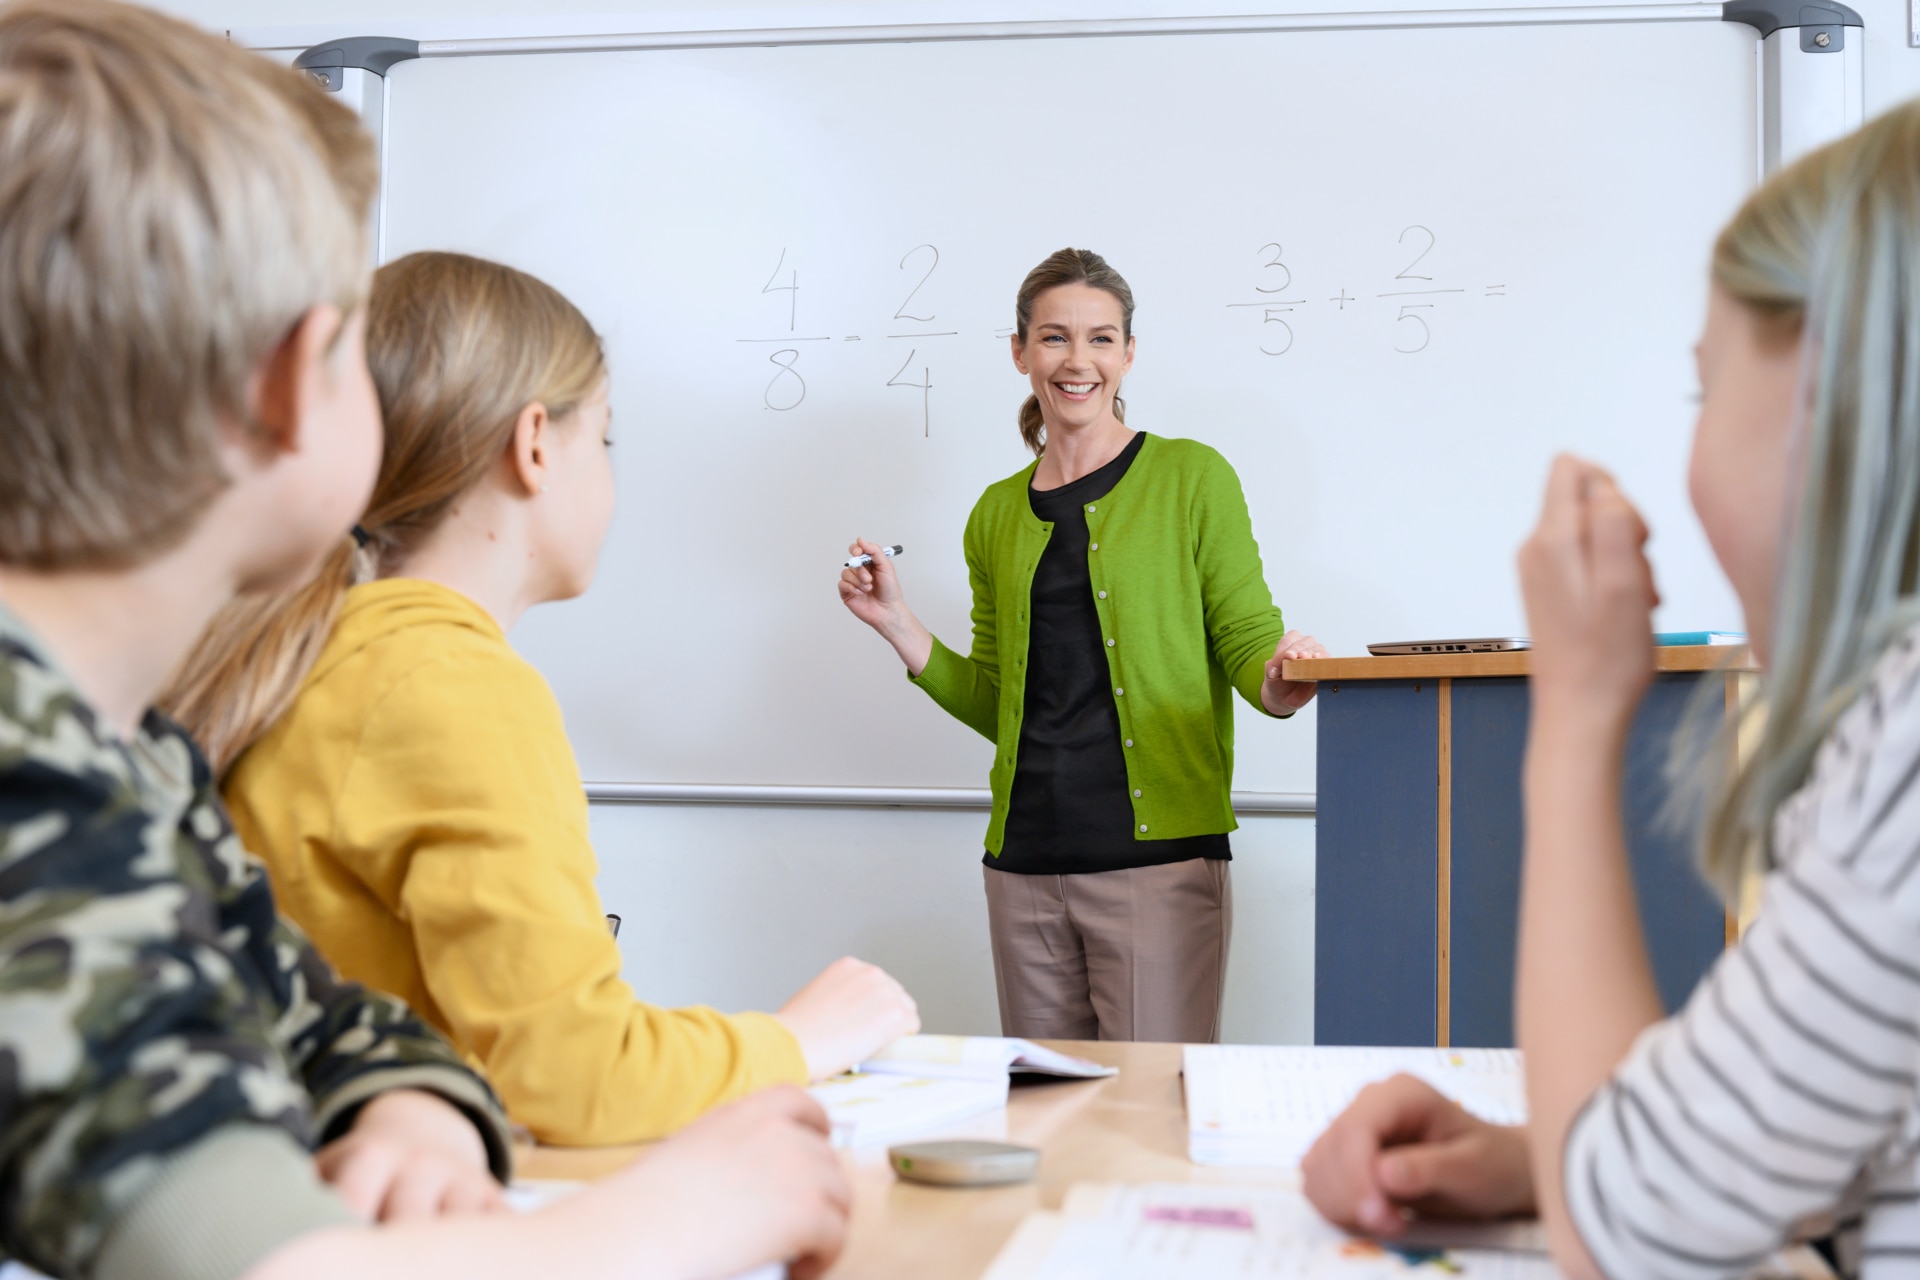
column 1496, row 291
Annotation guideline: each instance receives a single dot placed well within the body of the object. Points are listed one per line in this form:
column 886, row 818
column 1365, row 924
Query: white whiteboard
column 1557, row 187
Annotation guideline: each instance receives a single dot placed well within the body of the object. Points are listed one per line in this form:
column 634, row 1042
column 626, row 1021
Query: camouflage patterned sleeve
column 131, row 1038
column 169, row 1051
column 350, row 1044
column 347, row 1044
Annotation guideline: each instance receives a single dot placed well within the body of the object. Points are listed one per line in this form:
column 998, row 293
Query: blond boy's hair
column 170, row 206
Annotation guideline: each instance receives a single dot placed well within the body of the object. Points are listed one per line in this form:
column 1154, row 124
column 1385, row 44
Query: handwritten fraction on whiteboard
column 1403, row 312
column 911, row 323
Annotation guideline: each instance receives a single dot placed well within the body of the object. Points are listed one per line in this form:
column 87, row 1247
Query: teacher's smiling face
column 1075, row 353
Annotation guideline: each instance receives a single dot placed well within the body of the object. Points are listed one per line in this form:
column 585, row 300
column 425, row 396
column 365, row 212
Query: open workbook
column 924, row 1086
column 979, row 1058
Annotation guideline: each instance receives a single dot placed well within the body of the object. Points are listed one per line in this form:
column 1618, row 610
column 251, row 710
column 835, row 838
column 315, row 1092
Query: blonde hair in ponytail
column 1068, row 266
column 458, row 347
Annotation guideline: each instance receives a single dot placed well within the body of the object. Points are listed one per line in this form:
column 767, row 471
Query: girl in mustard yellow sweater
column 407, row 776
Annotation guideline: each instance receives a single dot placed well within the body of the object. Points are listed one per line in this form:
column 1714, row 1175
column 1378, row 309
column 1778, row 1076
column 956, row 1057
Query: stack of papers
column 923, row 1085
column 1263, row 1106
column 1174, row 1231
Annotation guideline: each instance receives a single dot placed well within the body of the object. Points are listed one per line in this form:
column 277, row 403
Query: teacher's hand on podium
column 1401, row 1149
column 1282, row 697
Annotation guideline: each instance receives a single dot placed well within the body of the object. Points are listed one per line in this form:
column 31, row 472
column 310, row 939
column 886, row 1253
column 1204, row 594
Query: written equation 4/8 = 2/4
column 910, row 339
column 1404, row 310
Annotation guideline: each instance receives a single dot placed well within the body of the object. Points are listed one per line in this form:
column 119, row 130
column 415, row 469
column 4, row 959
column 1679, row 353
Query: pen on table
column 864, row 559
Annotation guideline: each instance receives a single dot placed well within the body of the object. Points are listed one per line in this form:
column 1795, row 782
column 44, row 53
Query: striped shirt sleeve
column 1790, row 1074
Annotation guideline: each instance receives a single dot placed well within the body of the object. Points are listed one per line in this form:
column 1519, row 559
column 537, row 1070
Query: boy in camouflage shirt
column 149, row 995
column 186, row 417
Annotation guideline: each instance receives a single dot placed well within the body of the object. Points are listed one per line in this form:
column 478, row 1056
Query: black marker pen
column 864, row 559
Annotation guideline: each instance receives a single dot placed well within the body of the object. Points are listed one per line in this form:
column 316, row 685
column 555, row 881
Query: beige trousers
column 1139, row 954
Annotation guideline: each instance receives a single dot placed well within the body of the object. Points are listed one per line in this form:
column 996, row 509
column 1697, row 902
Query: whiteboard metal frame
column 1806, row 93
column 1058, row 28
column 969, row 798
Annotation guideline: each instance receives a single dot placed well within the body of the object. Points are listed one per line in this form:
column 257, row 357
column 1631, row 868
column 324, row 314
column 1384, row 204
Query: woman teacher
column 1117, row 601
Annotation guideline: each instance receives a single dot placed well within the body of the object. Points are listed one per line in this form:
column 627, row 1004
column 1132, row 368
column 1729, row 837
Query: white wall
column 734, row 907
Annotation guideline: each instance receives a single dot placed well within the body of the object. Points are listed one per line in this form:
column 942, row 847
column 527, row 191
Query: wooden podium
column 1418, row 842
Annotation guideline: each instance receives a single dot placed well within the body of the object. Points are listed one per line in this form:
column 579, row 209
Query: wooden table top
column 1127, row 1128
column 1435, row 666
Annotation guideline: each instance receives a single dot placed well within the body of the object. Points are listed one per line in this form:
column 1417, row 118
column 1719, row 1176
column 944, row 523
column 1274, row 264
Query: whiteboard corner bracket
column 328, row 63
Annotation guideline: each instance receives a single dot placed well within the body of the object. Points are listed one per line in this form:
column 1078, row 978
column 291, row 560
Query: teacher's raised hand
column 1283, row 697
column 872, row 594
column 1590, row 598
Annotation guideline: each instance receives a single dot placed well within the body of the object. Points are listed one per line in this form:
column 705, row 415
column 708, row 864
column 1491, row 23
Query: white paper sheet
column 1178, row 1231
column 1263, row 1105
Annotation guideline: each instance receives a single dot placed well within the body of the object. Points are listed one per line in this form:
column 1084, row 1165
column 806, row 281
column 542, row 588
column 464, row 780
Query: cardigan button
column 1103, row 595
column 1119, row 693
column 1136, row 793
column 1109, row 644
column 1143, row 826
column 1129, row 741
column 1096, row 546
column 1090, row 507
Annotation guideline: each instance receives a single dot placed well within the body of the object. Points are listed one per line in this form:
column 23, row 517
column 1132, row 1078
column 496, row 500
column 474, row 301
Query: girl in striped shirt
column 1782, row 1100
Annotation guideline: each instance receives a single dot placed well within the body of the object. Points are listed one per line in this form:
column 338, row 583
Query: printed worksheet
column 1177, row 1231
column 1263, row 1105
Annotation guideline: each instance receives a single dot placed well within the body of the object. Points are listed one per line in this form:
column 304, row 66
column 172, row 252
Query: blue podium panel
column 1377, row 836
column 1489, row 742
column 1684, row 923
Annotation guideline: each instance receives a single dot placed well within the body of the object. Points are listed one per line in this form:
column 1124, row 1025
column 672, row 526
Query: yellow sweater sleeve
column 465, row 805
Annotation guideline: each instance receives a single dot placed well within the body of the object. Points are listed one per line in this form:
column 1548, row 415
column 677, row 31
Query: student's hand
column 751, row 1183
column 1590, row 599
column 845, row 1015
column 410, row 1155
column 1402, row 1148
column 872, row 594
column 1284, row 697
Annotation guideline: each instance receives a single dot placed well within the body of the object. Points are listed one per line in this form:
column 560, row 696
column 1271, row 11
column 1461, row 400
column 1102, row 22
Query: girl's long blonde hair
column 1829, row 250
column 458, row 346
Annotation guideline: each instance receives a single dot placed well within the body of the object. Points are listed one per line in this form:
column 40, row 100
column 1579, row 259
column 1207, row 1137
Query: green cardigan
column 1178, row 585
